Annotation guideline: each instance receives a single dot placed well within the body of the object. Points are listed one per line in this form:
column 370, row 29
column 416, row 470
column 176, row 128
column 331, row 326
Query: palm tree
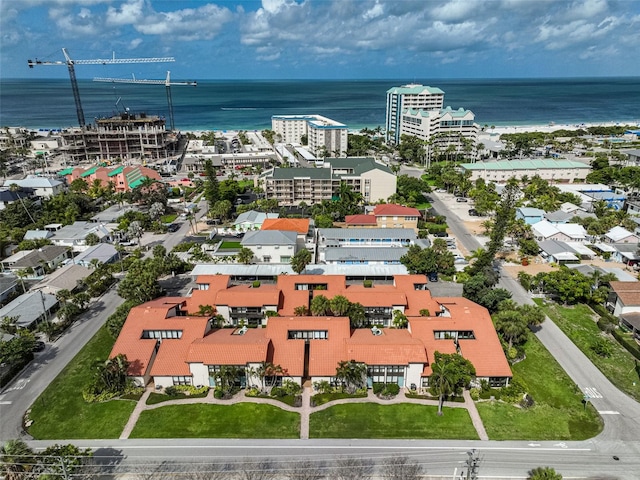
column 301, row 311
column 17, row 460
column 320, row 305
column 442, row 381
column 245, row 255
column 351, row 374
column 135, row 230
column 340, row 305
column 544, row 473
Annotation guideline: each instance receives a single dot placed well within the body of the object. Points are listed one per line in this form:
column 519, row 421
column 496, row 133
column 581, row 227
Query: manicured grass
column 558, row 412
column 230, row 246
column 402, row 420
column 169, row 218
column 578, row 324
column 322, row 398
column 241, row 420
column 423, row 205
column 60, row 412
column 155, row 398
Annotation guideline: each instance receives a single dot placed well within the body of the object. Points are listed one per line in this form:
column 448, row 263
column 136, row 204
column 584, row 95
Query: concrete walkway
column 305, row 410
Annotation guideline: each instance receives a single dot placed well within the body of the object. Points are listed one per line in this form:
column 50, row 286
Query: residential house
column 557, row 252
column 303, row 227
column 37, row 235
column 631, row 321
column 42, row 187
column 75, row 235
column 166, row 344
column 389, row 215
column 9, row 196
column 559, row 216
column 8, row 286
column 64, row 278
column 37, row 262
column 366, row 237
column 624, row 297
column 252, row 220
column 632, row 205
column 271, row 246
column 626, row 253
column 362, row 255
column 30, row 309
column 530, row 215
column 621, row 235
column 101, row 253
column 360, row 221
column 569, row 232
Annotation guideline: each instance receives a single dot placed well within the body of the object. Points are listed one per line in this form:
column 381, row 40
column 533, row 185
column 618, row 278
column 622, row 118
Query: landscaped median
column 616, row 363
column 402, row 420
column 557, row 412
column 61, row 412
column 240, row 420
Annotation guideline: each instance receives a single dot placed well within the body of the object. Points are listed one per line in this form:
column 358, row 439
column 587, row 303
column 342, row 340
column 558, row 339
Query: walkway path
column 305, row 410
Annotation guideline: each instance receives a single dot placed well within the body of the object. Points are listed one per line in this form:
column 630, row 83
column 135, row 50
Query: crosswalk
column 592, row 392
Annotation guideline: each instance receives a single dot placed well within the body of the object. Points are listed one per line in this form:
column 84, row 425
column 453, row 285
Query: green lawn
column 558, row 413
column 170, row 218
column 230, row 246
column 60, row 412
column 155, row 397
column 403, row 420
column 578, row 324
column 322, row 398
column 241, row 420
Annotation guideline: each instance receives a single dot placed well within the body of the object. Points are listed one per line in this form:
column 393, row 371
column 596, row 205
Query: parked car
column 39, row 346
column 174, row 227
column 441, row 234
column 461, row 200
column 473, row 212
column 440, row 190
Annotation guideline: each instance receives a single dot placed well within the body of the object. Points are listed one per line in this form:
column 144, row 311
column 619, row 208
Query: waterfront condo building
column 169, row 342
column 325, row 137
column 417, row 97
column 290, row 186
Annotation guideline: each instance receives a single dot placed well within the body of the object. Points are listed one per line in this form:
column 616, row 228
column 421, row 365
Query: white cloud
column 128, row 14
column 188, row 24
column 135, row 43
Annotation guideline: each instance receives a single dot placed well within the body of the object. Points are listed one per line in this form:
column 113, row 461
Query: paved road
column 497, row 459
column 25, row 388
column 621, row 413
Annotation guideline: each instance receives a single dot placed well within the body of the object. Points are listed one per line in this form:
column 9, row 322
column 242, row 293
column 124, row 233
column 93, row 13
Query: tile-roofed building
column 624, row 297
column 389, row 215
column 298, row 225
column 253, row 219
column 189, row 353
column 360, row 220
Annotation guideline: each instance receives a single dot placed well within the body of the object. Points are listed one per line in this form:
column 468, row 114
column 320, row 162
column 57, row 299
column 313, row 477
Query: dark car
column 461, row 200
column 38, row 346
column 174, row 227
column 441, row 234
column 473, row 212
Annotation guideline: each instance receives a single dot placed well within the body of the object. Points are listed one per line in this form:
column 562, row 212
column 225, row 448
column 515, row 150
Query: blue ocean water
column 249, row 105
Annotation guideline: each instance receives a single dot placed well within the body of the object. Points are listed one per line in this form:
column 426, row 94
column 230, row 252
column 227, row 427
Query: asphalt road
column 621, row 414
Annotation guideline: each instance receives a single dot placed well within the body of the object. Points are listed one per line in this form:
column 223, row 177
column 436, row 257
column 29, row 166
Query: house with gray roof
column 621, row 235
column 559, row 216
column 8, row 196
column 271, row 246
column 37, row 262
column 102, row 253
column 30, row 308
column 37, row 235
column 557, row 252
column 366, row 237
column 252, row 220
column 41, row 187
column 75, row 235
column 8, row 285
column 65, row 278
column 529, row 215
column 361, row 255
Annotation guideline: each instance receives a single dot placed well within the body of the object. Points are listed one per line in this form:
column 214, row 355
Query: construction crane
column 167, row 83
column 97, row 61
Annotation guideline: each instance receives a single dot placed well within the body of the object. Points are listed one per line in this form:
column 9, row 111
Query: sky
column 325, row 39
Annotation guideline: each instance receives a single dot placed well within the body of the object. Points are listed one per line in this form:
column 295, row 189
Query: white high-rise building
column 418, row 97
column 325, row 137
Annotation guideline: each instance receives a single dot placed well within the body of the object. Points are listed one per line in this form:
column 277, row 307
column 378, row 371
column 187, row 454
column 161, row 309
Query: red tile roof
column 227, row 347
column 390, row 209
column 360, row 220
column 392, row 347
column 299, row 225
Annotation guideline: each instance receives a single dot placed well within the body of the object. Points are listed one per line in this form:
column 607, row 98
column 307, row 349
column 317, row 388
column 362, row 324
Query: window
column 161, row 334
column 454, row 334
column 308, row 335
column 181, row 380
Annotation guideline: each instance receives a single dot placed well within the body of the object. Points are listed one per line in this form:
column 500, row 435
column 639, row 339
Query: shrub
column 172, row 391
column 191, row 389
column 391, row 390
column 475, row 394
column 256, row 283
column 291, row 387
column 253, row 392
column 602, row 347
column 322, row 386
column 630, row 345
column 278, row 392
column 378, row 388
column 367, row 283
column 218, row 393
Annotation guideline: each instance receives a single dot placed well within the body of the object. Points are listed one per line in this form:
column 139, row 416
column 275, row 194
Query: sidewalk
column 305, row 410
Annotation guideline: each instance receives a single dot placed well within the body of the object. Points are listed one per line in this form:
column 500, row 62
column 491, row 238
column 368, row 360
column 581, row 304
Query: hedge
column 627, row 343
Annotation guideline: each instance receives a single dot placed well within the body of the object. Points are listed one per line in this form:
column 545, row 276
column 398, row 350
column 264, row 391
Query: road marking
column 608, row 412
column 5, row 402
column 333, row 447
column 533, row 444
column 561, row 445
column 592, row 392
column 19, row 385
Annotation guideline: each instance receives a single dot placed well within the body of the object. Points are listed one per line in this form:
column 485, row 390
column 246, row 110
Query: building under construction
column 126, row 136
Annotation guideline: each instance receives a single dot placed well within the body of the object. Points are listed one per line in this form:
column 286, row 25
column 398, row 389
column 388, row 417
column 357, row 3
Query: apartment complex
column 126, row 136
column 385, row 215
column 325, row 137
column 165, row 342
column 412, row 96
column 290, row 186
column 500, row 171
column 123, row 178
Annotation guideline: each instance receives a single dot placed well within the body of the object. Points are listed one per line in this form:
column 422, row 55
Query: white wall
column 273, row 251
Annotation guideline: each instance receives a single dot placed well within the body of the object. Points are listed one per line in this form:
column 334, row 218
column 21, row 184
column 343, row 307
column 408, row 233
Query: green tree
column 340, row 305
column 400, row 320
column 544, row 473
column 140, row 283
column 301, row 311
column 92, row 239
column 135, row 230
column 300, row 260
column 61, row 462
column 17, row 460
column 450, row 374
column 245, row 255
column 320, row 306
column 352, row 375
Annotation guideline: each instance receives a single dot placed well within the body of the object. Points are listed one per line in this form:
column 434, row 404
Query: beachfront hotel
column 166, row 341
column 412, row 96
column 562, row 171
column 325, row 137
column 290, row 186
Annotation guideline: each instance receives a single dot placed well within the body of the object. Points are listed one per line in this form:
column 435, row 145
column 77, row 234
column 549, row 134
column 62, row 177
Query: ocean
column 249, row 105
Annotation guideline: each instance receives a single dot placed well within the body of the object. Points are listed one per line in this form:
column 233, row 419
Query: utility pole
column 473, row 462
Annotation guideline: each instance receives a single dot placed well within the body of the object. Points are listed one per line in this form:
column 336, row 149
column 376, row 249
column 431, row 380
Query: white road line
column 19, row 385
column 592, row 392
column 336, row 447
column 5, row 402
column 608, row 412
